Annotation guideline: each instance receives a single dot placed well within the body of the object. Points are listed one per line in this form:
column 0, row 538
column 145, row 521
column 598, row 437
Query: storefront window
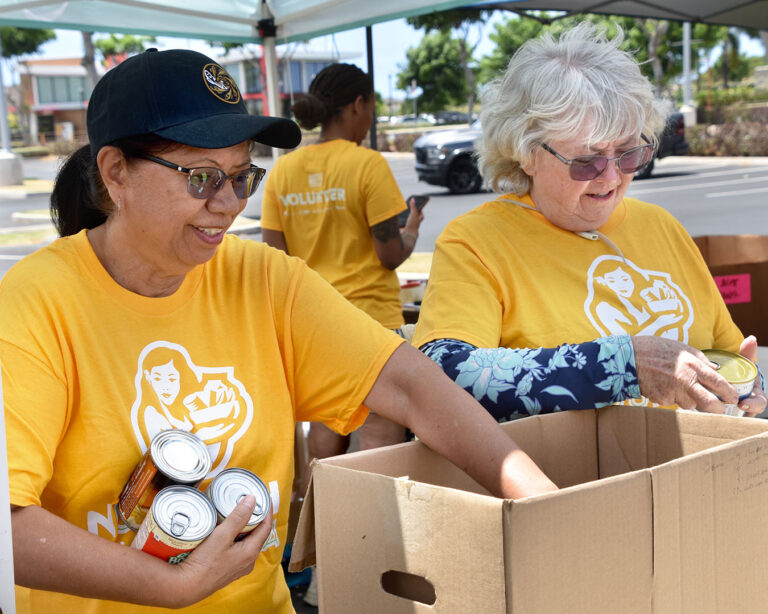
column 255, row 106
column 253, row 79
column 62, row 89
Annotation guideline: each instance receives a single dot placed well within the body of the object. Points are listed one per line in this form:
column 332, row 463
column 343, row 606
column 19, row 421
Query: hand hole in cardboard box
column 408, row 586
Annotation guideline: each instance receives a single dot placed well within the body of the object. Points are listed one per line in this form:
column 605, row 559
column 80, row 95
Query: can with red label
column 180, row 518
column 228, row 488
column 174, row 457
column 738, row 370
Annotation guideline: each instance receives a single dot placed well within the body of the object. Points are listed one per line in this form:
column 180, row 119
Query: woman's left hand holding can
column 220, row 560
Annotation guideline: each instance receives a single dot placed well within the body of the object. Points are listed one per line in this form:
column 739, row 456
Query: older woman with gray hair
column 562, row 256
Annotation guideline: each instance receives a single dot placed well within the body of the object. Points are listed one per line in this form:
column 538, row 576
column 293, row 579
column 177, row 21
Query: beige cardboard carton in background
column 659, row 512
column 739, row 265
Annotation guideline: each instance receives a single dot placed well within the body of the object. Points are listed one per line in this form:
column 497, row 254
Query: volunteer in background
column 334, row 204
column 144, row 262
column 563, row 256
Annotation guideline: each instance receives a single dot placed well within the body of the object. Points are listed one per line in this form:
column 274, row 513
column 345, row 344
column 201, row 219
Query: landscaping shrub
column 732, row 139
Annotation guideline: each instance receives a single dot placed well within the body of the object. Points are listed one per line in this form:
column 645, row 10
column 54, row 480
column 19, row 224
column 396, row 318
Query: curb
column 31, row 187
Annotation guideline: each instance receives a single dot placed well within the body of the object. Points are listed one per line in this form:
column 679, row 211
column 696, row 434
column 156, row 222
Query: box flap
column 709, row 531
column 732, row 249
column 582, row 550
column 414, row 459
column 303, row 551
column 632, row 438
column 563, row 444
column 382, row 535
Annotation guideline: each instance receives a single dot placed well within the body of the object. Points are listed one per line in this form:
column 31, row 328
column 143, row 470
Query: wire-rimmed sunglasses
column 205, row 181
column 587, row 168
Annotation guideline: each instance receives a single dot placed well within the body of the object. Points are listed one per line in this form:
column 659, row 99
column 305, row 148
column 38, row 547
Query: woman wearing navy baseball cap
column 147, row 316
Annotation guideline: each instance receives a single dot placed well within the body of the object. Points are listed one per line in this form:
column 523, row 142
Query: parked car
column 447, row 158
column 451, row 117
column 671, row 143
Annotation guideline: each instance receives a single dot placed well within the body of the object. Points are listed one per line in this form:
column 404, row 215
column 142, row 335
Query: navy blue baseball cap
column 183, row 96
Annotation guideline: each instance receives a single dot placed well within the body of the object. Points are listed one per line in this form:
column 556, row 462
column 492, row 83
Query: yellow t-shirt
column 91, row 371
column 503, row 276
column 324, row 198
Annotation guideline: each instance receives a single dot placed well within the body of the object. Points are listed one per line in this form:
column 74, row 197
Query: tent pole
column 267, row 31
column 369, row 49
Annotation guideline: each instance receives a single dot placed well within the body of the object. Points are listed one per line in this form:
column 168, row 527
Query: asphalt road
column 707, row 195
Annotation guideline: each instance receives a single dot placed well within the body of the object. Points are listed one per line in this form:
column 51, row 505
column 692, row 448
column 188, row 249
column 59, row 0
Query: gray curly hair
column 554, row 89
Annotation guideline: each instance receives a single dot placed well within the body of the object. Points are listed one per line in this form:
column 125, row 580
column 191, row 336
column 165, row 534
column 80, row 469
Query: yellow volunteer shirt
column 252, row 342
column 324, row 198
column 503, row 276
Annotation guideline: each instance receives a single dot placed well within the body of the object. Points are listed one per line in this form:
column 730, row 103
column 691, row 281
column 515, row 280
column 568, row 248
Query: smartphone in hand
column 421, row 200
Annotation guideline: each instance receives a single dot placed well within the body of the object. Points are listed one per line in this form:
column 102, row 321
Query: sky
column 390, row 41
column 386, row 55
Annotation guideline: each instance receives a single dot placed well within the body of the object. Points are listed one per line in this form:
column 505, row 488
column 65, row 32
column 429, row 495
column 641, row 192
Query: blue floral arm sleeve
column 514, row 382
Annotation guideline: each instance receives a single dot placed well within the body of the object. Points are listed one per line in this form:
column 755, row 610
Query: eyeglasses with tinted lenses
column 587, row 168
column 204, row 182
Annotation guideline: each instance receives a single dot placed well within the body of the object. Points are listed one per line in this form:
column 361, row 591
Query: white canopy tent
column 272, row 22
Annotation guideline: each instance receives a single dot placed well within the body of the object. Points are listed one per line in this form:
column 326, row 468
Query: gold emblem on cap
column 220, row 84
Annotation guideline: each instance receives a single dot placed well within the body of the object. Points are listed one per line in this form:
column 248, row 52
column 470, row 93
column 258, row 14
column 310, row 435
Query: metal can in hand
column 180, row 518
column 174, row 457
column 738, row 370
column 228, row 488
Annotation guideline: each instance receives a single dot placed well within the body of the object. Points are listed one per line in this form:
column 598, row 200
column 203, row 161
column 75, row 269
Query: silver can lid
column 229, row 487
column 180, row 455
column 184, row 513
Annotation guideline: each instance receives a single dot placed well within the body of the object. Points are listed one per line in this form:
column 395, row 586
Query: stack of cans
column 161, row 501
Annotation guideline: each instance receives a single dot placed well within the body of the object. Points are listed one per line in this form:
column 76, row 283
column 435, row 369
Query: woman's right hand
column 673, row 373
column 220, row 560
column 415, row 217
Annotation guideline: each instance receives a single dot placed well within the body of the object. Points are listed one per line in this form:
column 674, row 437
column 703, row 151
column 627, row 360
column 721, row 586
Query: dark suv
column 671, row 143
column 447, row 157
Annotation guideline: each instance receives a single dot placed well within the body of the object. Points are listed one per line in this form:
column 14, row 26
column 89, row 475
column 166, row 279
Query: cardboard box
column 659, row 512
column 739, row 264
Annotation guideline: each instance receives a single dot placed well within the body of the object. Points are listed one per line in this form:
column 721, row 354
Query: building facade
column 56, row 91
column 297, row 66
column 55, row 98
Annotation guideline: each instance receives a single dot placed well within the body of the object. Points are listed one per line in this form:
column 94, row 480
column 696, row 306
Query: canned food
column 174, row 457
column 738, row 370
column 180, row 518
column 228, row 488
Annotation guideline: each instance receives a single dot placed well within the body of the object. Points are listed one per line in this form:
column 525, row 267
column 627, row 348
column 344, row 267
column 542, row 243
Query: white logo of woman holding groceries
column 173, row 392
column 638, row 301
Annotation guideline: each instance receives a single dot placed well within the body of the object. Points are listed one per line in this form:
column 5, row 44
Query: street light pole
column 687, row 93
column 10, row 164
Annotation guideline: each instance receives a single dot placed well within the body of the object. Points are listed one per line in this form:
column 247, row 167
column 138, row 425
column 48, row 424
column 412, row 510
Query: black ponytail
column 78, row 197
column 333, row 88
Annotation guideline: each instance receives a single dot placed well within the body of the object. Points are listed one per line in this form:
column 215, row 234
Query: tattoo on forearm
column 386, row 230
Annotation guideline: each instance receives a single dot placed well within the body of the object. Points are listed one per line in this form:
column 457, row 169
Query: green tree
column 436, row 68
column 507, row 37
column 657, row 44
column 115, row 46
column 18, row 41
column 459, row 22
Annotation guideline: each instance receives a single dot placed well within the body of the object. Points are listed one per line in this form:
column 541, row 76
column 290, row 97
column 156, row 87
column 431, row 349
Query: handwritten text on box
column 735, row 288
